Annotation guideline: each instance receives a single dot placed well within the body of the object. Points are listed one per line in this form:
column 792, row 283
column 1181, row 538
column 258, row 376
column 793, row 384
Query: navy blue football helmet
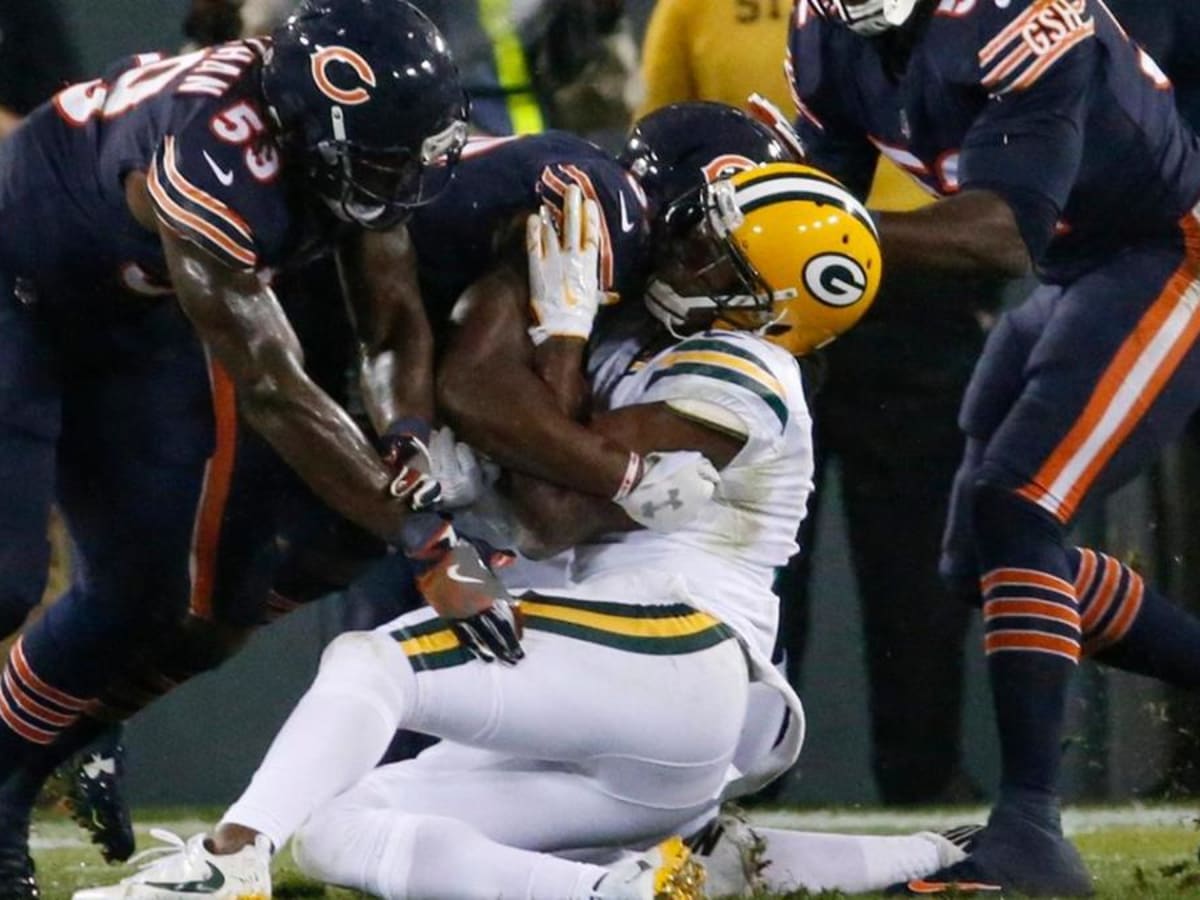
column 678, row 150
column 367, row 94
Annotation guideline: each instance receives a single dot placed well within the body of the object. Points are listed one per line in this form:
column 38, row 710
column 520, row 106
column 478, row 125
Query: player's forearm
column 559, row 363
column 551, row 519
column 507, row 412
column 974, row 233
column 316, row 437
column 9, row 121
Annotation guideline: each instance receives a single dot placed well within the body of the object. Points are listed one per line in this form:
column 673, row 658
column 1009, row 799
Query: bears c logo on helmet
column 321, row 61
column 835, row 279
column 725, row 165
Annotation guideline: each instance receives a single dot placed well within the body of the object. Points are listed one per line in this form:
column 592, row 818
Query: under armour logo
column 672, row 502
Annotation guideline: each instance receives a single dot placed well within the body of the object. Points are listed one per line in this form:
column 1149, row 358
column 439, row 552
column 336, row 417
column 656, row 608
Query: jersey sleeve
column 622, row 205
column 224, row 196
column 742, row 375
column 831, row 142
column 1037, row 65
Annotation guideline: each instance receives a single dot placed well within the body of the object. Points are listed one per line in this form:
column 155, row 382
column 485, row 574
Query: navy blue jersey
column 500, row 180
column 1045, row 102
column 1168, row 30
column 195, row 124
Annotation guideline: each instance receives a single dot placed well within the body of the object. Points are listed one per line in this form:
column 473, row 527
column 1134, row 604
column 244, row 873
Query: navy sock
column 1129, row 625
column 1032, row 635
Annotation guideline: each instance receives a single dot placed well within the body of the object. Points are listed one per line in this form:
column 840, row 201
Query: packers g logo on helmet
column 806, row 243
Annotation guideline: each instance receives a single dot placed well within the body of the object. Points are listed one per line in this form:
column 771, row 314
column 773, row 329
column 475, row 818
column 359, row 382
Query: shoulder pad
column 216, row 181
column 737, row 370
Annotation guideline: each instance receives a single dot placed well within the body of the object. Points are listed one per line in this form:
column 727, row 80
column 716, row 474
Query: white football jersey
column 727, row 556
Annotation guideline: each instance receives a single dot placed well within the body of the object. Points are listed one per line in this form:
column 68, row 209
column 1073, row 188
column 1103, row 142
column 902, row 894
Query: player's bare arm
column 552, row 518
column 974, row 232
column 241, row 322
column 395, row 342
column 490, row 392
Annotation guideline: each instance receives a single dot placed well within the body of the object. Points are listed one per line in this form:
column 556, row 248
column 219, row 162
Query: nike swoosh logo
column 210, row 885
column 626, row 224
column 455, row 575
column 223, row 176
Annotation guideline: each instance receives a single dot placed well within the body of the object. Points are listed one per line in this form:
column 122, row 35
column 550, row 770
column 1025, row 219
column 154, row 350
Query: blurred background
column 579, row 65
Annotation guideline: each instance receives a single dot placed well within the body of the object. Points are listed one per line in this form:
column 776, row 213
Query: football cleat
column 188, row 870
column 733, row 855
column 667, row 872
column 18, row 881
column 1021, row 851
column 96, row 798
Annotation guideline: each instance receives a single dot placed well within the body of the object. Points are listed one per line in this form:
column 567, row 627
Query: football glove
column 673, row 489
column 456, row 582
column 407, row 456
column 564, row 271
column 456, row 468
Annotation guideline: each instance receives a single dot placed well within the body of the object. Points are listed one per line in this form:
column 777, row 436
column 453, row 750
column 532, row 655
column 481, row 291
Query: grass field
column 1134, row 851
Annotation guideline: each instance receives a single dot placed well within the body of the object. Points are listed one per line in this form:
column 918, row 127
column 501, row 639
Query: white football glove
column 564, row 271
column 456, row 469
column 673, row 490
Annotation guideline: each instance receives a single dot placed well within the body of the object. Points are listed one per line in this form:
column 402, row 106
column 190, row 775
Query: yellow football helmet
column 780, row 249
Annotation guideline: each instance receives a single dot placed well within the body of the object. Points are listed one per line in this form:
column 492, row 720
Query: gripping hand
column 564, row 270
column 454, row 579
column 407, row 455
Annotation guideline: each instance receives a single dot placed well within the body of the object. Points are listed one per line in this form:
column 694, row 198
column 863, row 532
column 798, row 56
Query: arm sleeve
column 666, row 64
column 1027, row 144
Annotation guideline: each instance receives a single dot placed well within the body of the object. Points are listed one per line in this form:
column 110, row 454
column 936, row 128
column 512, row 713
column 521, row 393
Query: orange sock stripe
column 1031, row 642
column 1131, row 605
column 1025, row 578
column 1100, row 602
column 1087, row 570
column 51, row 718
column 17, row 724
column 33, row 683
column 1028, row 606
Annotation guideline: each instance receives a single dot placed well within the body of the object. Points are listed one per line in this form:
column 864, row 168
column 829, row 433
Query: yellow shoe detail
column 679, row 877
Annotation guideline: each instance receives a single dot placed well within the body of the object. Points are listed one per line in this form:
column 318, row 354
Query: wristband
column 635, row 468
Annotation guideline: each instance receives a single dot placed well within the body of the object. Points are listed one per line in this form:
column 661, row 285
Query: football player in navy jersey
column 1056, row 148
column 144, row 214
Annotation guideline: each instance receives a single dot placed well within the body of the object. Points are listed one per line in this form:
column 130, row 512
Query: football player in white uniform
column 620, row 725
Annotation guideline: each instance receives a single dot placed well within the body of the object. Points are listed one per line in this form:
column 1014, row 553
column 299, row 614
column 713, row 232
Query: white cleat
column 733, row 855
column 667, row 872
column 190, row 871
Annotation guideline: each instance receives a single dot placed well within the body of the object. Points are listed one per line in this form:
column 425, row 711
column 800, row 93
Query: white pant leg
column 645, row 703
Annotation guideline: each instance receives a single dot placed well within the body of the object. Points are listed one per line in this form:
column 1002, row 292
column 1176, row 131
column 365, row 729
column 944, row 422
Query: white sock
column 399, row 856
column 335, row 735
column 843, row 862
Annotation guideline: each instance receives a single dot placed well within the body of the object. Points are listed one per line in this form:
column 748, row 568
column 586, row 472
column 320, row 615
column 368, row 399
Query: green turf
column 1127, row 862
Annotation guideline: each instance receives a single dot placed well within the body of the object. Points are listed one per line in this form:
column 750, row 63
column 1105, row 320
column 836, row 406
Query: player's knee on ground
column 370, row 667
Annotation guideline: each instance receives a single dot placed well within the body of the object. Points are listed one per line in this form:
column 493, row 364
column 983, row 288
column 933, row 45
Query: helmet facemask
column 867, row 17
column 375, row 189
column 701, row 279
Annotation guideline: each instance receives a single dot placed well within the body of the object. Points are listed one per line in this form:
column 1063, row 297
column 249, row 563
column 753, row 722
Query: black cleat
column 1021, row 851
column 96, row 798
column 18, row 881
